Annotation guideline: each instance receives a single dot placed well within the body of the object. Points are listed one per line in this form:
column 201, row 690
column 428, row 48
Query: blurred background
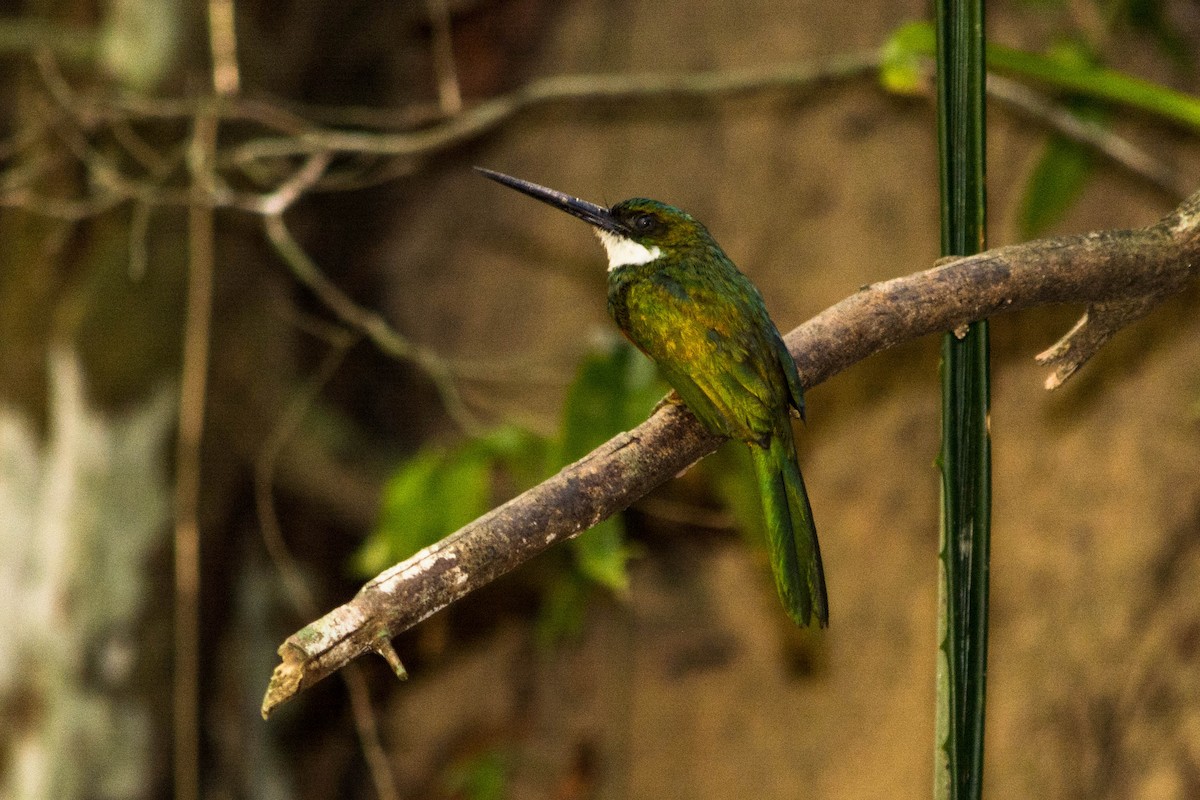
column 263, row 332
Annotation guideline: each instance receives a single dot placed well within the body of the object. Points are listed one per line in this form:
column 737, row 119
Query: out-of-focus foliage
column 1085, row 79
column 904, row 59
column 614, row 390
column 1055, row 183
column 483, row 777
column 730, row 470
column 139, row 41
column 439, row 489
column 1064, row 166
column 1150, row 17
column 564, row 603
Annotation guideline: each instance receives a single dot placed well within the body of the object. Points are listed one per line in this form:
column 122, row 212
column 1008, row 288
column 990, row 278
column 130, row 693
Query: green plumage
column 795, row 556
column 704, row 323
column 678, row 297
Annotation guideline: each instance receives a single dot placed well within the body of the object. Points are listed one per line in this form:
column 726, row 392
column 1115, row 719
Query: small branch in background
column 1035, row 106
column 193, row 394
column 265, row 466
column 449, row 95
column 222, row 37
column 71, row 43
column 76, row 125
column 368, row 323
column 201, row 157
column 139, row 230
column 486, row 116
column 147, row 155
column 1099, row 268
column 274, row 203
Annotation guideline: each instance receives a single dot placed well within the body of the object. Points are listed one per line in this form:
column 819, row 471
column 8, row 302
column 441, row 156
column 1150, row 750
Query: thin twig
column 59, row 208
column 265, row 466
column 193, row 394
column 274, row 203
column 563, row 88
column 147, row 155
column 226, row 77
column 368, row 323
column 449, row 94
column 74, row 132
column 297, row 588
column 78, row 44
column 139, row 232
column 411, row 115
column 1034, row 105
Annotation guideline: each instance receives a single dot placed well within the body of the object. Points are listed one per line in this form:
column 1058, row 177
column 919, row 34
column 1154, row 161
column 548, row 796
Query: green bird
column 676, row 295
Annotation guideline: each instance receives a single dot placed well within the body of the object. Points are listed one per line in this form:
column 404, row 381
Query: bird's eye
column 644, row 223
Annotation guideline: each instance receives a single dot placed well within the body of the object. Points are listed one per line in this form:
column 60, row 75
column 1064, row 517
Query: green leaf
column 1055, row 185
column 601, row 554
column 524, row 455
column 614, row 389
column 1088, row 80
column 439, row 490
column 1065, row 165
column 432, row 494
column 731, row 472
column 482, row 777
column 904, row 58
column 564, row 608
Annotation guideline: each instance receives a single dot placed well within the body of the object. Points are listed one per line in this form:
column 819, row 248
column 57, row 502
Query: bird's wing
column 717, row 347
column 788, row 365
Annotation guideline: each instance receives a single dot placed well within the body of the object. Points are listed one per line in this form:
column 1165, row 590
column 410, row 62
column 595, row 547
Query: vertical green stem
column 966, row 454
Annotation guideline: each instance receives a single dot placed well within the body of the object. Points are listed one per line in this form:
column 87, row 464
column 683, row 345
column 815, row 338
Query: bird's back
column 706, row 326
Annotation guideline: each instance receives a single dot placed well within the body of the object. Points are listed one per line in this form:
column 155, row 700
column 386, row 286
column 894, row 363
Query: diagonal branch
column 1105, row 271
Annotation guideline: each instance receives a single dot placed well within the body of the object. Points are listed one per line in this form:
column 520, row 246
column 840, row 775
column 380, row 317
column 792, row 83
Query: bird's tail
column 795, row 555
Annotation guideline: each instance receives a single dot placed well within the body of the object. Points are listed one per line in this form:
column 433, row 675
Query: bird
column 679, row 299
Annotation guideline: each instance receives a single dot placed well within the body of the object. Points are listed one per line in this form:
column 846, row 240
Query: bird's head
column 636, row 231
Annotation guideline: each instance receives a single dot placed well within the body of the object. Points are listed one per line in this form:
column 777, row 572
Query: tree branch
column 1119, row 275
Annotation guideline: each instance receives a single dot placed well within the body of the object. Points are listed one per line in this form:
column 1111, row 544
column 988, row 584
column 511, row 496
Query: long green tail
column 795, row 555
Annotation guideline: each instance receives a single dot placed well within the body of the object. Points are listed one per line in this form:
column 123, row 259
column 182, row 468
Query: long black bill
column 588, row 212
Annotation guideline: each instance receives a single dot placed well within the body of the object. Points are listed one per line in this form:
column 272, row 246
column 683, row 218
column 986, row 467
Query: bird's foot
column 672, row 399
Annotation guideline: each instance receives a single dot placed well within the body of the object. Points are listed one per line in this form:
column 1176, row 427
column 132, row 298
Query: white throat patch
column 624, row 252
